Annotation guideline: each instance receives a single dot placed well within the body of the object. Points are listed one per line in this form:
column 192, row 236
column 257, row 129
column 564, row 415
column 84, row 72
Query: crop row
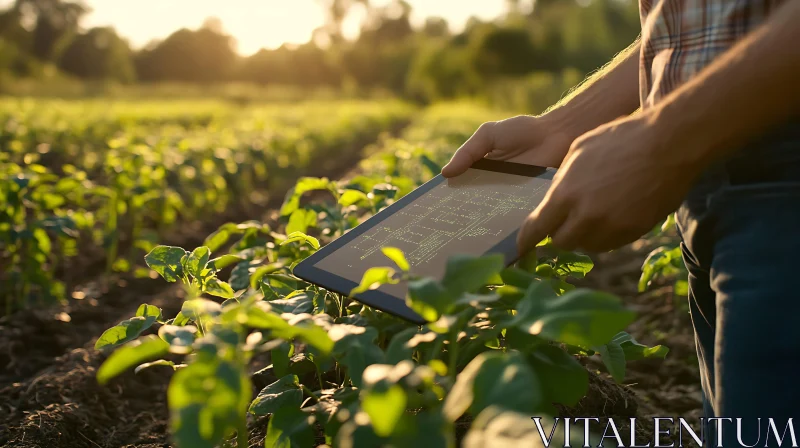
column 95, row 179
column 500, row 344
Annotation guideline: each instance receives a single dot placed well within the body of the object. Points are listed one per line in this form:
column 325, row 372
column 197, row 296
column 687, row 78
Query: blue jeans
column 740, row 231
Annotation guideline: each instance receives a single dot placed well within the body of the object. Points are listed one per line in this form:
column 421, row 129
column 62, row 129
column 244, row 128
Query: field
column 148, row 298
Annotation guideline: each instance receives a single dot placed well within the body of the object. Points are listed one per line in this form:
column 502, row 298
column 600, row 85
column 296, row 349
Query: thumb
column 474, row 149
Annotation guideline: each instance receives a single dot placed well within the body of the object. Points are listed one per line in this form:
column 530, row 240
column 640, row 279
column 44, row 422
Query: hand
column 523, row 139
column 616, row 183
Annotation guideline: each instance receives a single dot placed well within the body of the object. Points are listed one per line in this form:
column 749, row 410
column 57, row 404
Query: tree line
column 427, row 62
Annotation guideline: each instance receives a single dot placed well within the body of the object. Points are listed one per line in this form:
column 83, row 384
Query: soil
column 669, row 387
column 49, row 396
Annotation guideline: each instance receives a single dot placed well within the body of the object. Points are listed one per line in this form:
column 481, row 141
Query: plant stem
column 319, row 377
column 453, row 354
column 309, row 392
column 242, row 435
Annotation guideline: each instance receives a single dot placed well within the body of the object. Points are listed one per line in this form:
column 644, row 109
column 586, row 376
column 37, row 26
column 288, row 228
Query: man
column 718, row 138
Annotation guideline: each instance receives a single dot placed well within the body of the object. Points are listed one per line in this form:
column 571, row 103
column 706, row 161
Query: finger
column 610, row 240
column 545, row 220
column 474, row 149
column 572, row 234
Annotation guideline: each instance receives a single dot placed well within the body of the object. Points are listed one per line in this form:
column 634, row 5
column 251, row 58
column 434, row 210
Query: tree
column 436, row 27
column 56, row 21
column 99, row 54
column 336, row 11
column 305, row 65
column 501, row 51
column 12, row 31
column 206, row 55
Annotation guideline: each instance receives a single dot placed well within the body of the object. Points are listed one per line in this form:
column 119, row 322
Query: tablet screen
column 468, row 214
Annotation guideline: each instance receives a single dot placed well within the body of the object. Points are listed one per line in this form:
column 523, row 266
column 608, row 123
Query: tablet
column 476, row 213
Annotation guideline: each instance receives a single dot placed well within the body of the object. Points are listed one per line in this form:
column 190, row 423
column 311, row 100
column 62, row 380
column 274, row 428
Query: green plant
column 499, row 342
column 665, row 261
column 36, row 234
column 109, row 180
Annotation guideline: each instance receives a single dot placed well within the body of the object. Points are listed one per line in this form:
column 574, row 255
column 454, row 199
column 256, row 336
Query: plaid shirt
column 681, row 37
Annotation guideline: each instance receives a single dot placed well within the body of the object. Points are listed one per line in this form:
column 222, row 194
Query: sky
column 257, row 23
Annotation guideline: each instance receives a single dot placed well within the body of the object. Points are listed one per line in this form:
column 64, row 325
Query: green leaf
column 275, row 286
column 399, row 349
column 668, row 223
column 302, row 238
column 580, row 317
column 43, row 240
column 659, row 262
column 125, row 331
column 355, row 349
column 614, row 359
column 223, row 262
column 301, row 220
column 240, row 275
column 494, row 379
column 681, row 288
column 465, row 273
column 304, row 185
column 306, row 330
column 498, row 427
column 290, row 428
column 373, row 279
column 146, row 310
column 517, row 277
column 180, row 320
column 261, row 271
column 564, row 380
column 280, row 358
column 351, row 197
column 160, row 362
column 302, row 364
column 397, row 256
column 358, row 434
column 198, row 260
column 476, row 300
column 207, row 399
column 426, row 429
column 166, row 260
column 432, row 166
column 484, row 341
column 195, row 309
column 135, row 353
column 385, row 408
column 428, row 299
column 218, row 288
column 299, row 304
column 221, row 236
column 574, row 265
column 283, row 393
column 386, row 190
column 179, row 338
column 635, row 351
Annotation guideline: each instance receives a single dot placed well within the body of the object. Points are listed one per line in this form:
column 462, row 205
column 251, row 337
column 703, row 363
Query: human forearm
column 544, row 140
column 611, row 92
column 743, row 94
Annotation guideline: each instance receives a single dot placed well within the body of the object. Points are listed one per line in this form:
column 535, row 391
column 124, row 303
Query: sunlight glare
column 260, row 24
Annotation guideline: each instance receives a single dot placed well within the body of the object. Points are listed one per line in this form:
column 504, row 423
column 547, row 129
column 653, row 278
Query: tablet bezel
column 306, row 269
